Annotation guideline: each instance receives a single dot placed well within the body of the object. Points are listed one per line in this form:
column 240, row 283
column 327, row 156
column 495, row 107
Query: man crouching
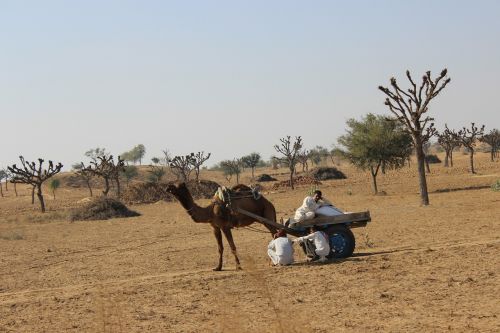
column 280, row 249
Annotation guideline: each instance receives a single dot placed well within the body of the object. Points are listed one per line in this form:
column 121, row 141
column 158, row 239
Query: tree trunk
column 374, row 178
column 446, row 158
column 424, row 195
column 237, row 178
column 253, row 173
column 54, row 194
column 106, row 187
column 88, row 185
column 33, row 195
column 117, row 180
column 383, row 168
column 6, row 188
column 492, row 156
column 40, row 197
column 15, row 189
column 427, row 167
column 472, row 161
column 1, row 191
column 451, row 158
column 291, row 177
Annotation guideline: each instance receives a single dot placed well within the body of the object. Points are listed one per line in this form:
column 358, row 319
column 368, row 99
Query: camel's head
column 177, row 190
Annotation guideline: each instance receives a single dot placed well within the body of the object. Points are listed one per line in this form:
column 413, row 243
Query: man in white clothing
column 309, row 206
column 280, row 249
column 321, row 243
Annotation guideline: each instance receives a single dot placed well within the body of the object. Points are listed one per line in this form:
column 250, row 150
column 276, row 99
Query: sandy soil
column 415, row 269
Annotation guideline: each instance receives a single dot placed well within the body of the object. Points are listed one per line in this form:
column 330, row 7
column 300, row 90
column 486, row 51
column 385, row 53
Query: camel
column 223, row 219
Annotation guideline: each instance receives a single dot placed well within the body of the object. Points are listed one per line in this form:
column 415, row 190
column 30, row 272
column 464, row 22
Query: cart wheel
column 342, row 241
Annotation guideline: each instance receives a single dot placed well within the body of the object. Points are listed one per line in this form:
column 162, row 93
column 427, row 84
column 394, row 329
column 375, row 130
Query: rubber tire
column 349, row 242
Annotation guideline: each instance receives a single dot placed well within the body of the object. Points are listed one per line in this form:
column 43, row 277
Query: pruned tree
column 469, row 138
column 197, row 161
column 108, row 170
column 303, row 158
column 182, row 166
column 34, row 175
column 231, row 168
column 449, row 141
column 409, row 107
column 290, row 151
column 251, row 161
column 85, row 174
column 493, row 139
column 375, row 141
column 54, row 184
column 167, row 156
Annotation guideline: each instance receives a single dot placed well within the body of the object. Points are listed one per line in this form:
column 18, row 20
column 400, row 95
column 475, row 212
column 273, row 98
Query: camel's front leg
column 218, row 236
column 229, row 237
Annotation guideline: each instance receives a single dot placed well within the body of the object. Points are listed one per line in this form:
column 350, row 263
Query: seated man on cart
column 312, row 206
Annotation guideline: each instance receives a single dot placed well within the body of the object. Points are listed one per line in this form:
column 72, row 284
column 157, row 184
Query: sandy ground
column 415, row 269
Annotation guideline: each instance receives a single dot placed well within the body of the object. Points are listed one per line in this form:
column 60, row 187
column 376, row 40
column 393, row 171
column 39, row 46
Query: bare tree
column 409, row 107
column 84, row 173
column 493, row 139
column 167, row 156
column 230, row 168
column 182, row 166
column 197, row 162
column 35, row 175
column 468, row 138
column 303, row 158
column 290, row 152
column 448, row 140
column 106, row 168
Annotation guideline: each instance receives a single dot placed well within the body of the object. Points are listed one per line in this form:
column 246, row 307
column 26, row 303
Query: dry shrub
column 153, row 192
column 101, row 208
column 326, row 173
column 265, row 178
column 299, row 180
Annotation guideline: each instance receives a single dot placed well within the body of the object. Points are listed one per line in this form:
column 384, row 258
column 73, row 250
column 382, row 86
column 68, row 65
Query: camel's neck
column 197, row 213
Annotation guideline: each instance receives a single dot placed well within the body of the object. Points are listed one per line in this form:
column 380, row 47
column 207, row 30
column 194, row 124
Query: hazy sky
column 229, row 77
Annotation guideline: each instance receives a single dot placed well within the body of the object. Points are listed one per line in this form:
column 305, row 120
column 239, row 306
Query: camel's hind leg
column 229, row 237
column 218, row 237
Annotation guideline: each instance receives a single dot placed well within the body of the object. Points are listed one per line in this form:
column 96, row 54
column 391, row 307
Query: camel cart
column 338, row 229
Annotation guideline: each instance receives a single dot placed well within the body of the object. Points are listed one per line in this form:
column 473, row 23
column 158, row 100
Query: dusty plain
column 415, row 269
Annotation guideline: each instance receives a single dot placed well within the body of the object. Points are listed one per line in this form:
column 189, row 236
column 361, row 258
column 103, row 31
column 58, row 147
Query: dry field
column 415, row 269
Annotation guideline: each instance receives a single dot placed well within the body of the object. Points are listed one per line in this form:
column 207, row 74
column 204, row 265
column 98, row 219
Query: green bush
column 496, row 186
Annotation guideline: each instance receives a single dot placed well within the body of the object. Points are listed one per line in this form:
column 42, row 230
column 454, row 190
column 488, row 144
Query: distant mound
column 264, row 178
column 299, row 180
column 326, row 173
column 431, row 158
column 154, row 192
column 101, row 208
